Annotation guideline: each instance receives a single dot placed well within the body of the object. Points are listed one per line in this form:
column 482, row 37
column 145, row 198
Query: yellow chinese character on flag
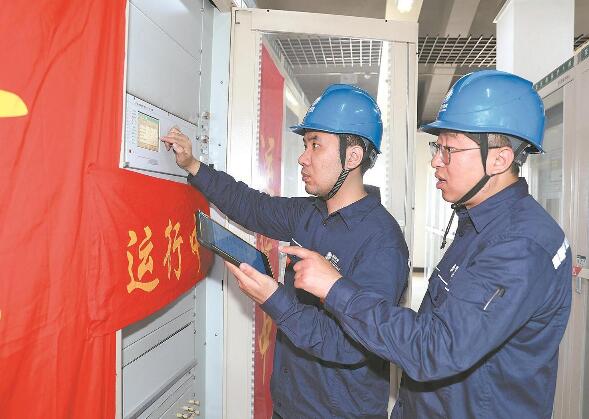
column 11, row 105
column 146, row 264
column 267, row 144
column 173, row 246
column 194, row 245
column 264, row 337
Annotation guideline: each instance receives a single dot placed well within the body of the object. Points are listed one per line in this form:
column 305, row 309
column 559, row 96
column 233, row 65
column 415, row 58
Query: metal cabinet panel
column 181, row 389
column 150, row 375
column 180, row 20
column 159, row 70
column 150, row 324
column 185, row 407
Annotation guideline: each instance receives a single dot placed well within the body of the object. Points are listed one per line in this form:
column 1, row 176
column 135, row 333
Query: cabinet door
column 558, row 180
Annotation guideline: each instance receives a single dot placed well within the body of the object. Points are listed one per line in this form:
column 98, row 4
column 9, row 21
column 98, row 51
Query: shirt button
column 279, row 404
column 285, row 370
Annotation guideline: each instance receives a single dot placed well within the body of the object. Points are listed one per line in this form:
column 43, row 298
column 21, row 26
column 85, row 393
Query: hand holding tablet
column 229, row 246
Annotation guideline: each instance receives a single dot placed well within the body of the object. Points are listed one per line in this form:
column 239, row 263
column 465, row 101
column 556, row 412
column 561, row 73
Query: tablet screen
column 230, row 246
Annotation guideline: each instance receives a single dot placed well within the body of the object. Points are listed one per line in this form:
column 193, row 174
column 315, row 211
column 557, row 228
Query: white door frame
column 248, row 26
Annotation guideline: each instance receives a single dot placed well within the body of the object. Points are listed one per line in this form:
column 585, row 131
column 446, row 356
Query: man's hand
column 257, row 286
column 313, row 272
column 182, row 147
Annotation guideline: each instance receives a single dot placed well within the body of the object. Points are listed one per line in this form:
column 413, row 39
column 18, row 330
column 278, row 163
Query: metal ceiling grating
column 468, row 51
column 329, row 51
column 471, row 51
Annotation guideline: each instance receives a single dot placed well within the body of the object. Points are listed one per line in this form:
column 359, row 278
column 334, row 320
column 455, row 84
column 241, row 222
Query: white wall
column 534, row 36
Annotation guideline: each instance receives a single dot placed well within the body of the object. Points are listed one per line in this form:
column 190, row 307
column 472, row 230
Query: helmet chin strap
column 342, row 176
column 369, row 154
column 484, row 143
column 338, row 184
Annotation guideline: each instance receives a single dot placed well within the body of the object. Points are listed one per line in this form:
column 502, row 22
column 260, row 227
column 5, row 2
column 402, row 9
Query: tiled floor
column 419, row 287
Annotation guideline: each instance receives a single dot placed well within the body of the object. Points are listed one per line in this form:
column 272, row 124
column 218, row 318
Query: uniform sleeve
column 505, row 286
column 318, row 332
column 273, row 217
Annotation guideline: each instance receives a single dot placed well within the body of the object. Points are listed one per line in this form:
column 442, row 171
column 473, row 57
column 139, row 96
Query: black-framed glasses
column 446, row 152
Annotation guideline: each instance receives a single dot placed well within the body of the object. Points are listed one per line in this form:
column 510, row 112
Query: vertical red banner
column 270, row 158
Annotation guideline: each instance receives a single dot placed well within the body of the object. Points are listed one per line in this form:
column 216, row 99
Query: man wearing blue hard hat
column 319, row 371
column 484, row 343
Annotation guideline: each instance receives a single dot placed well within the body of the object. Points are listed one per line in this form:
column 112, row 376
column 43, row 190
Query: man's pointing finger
column 300, row 252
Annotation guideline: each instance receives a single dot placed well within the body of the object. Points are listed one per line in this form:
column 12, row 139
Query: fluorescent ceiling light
column 404, row 6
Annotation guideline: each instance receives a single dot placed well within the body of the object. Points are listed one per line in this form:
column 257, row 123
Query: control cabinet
column 559, row 181
column 163, row 359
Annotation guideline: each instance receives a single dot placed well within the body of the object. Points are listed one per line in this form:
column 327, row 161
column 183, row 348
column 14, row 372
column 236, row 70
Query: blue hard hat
column 492, row 101
column 344, row 109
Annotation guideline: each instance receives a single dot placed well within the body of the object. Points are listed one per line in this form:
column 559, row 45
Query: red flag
column 61, row 95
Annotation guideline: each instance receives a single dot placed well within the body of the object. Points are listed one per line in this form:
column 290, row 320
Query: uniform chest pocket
column 478, row 293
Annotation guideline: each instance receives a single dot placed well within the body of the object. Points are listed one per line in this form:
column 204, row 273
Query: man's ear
column 502, row 162
column 354, row 156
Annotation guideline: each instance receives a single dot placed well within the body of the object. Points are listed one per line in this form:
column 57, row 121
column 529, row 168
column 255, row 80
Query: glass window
column 545, row 170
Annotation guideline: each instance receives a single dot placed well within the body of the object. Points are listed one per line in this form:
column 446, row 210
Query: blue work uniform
column 485, row 341
column 319, row 371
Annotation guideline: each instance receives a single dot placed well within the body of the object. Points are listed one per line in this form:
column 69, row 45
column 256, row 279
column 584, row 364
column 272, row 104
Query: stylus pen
column 294, row 259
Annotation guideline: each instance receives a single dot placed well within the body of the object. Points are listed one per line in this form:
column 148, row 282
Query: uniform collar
column 354, row 213
column 492, row 208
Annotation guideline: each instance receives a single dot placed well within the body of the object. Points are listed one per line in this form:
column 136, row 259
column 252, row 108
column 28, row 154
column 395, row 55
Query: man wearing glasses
column 484, row 343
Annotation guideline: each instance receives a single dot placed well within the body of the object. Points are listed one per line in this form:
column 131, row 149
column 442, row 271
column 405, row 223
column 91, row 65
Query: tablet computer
column 229, row 246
